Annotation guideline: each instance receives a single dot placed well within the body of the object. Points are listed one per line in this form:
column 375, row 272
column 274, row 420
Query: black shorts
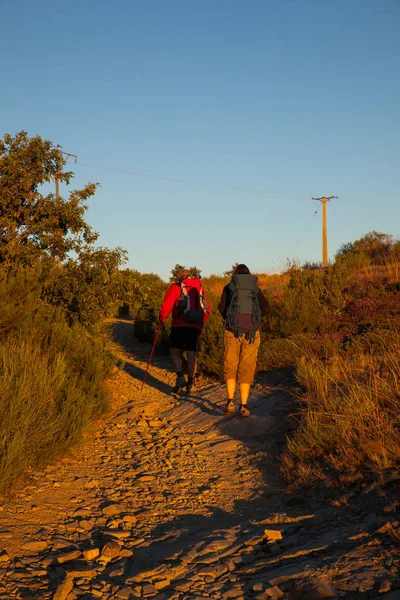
column 185, row 338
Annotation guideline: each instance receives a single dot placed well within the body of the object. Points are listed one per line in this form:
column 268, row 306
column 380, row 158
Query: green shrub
column 211, row 357
column 51, row 378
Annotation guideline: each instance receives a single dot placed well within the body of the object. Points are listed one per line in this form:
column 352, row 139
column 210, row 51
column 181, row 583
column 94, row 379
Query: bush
column 350, row 416
column 51, row 378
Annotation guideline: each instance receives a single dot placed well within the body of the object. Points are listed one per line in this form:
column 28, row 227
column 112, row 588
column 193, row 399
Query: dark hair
column 242, row 270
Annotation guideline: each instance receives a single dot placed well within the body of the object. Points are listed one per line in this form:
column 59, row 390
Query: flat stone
column 64, row 589
column 35, row 546
column 4, row 556
column 233, row 593
column 91, row 553
column 116, row 533
column 126, row 592
column 67, row 556
column 5, row 534
column 273, row 534
column 148, row 590
column 160, row 584
column 83, row 573
column 112, row 509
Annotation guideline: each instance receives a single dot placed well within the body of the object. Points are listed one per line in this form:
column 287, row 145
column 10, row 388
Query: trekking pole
column 151, row 355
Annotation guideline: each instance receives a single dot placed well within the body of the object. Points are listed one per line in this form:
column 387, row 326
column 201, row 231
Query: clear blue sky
column 299, row 98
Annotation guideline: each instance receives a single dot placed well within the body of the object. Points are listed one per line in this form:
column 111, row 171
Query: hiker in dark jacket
column 242, row 305
column 185, row 334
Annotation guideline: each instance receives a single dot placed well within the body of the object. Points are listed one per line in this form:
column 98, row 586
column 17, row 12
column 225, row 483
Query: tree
column 34, row 225
column 376, row 246
column 193, row 272
column 87, row 287
column 230, row 271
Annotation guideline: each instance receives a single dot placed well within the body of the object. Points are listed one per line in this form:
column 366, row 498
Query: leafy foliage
column 193, row 272
column 35, row 226
column 87, row 287
column 373, row 248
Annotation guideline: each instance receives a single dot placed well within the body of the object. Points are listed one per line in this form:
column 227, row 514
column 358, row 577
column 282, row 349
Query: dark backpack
column 192, row 303
column 243, row 314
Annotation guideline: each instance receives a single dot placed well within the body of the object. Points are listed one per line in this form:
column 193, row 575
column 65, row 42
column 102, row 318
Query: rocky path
column 168, row 499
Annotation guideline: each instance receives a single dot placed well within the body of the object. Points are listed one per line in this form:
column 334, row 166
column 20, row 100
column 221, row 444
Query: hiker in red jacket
column 190, row 309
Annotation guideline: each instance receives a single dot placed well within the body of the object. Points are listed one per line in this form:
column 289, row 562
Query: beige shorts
column 240, row 357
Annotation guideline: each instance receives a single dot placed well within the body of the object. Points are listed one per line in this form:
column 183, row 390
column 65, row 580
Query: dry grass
column 351, row 413
column 272, row 284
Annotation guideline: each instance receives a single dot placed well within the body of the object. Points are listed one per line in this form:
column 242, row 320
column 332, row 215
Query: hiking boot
column 180, row 383
column 244, row 411
column 229, row 408
column 191, row 388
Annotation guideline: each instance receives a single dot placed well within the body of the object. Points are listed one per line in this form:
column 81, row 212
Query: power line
column 306, row 230
column 190, row 182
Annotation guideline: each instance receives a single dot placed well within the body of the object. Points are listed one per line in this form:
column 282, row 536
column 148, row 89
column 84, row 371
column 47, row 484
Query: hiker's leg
column 247, row 366
column 231, row 362
column 244, row 392
column 176, row 359
column 192, row 344
column 192, row 363
column 230, row 388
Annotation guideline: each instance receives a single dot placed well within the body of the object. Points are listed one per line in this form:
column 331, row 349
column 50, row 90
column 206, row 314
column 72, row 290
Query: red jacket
column 170, row 304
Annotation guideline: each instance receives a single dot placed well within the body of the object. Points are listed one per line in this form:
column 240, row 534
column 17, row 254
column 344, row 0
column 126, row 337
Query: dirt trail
column 166, row 498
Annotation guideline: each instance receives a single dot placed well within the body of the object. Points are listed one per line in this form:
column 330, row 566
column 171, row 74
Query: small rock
column 385, row 586
column 111, row 550
column 4, row 556
column 259, row 587
column 148, row 590
column 91, row 484
column 273, row 534
column 129, row 518
column 91, row 553
column 274, row 592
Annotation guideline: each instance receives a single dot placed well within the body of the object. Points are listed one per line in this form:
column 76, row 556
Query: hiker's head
column 241, row 270
column 182, row 274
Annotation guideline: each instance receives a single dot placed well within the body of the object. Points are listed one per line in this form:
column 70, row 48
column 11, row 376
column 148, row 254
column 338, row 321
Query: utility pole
column 324, row 200
column 56, row 180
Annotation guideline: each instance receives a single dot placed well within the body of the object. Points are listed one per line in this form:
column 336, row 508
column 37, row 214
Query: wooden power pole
column 323, row 201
